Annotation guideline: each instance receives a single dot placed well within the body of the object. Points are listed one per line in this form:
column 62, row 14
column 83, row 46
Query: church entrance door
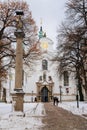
column 44, row 94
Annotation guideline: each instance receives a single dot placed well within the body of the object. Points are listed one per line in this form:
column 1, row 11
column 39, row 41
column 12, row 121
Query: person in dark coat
column 55, row 101
column 35, row 99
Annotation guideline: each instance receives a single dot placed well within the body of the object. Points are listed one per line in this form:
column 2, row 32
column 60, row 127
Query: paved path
column 59, row 119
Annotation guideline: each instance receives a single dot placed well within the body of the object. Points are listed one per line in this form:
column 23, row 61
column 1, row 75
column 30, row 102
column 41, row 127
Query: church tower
column 45, row 83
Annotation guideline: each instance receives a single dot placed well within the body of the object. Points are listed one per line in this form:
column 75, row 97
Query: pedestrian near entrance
column 35, row 99
column 55, row 101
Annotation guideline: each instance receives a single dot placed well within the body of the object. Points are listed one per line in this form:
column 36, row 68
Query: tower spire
column 41, row 30
column 41, row 33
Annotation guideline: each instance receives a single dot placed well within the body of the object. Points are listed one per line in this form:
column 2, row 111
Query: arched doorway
column 44, row 94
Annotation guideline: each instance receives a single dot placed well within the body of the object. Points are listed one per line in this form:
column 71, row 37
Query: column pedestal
column 18, row 99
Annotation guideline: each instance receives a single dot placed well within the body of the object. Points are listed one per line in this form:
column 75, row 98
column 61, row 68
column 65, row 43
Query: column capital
column 19, row 34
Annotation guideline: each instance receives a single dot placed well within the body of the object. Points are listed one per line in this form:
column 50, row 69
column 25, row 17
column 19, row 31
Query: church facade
column 43, row 83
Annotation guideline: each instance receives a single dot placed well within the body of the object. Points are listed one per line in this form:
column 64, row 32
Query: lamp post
column 10, row 78
column 32, row 96
column 18, row 91
column 60, row 93
column 77, row 98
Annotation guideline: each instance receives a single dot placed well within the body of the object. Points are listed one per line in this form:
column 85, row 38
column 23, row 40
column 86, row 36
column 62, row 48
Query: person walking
column 54, row 100
column 57, row 101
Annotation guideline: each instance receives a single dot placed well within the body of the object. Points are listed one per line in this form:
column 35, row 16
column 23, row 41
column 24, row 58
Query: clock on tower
column 44, row 45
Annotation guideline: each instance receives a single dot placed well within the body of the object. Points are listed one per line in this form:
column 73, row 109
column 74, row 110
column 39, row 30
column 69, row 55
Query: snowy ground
column 31, row 121
column 33, row 115
column 72, row 107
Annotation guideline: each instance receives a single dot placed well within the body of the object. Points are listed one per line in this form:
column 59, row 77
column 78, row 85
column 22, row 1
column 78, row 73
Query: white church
column 43, row 83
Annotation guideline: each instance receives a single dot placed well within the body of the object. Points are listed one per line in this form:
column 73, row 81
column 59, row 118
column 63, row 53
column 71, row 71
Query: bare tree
column 8, row 25
column 70, row 41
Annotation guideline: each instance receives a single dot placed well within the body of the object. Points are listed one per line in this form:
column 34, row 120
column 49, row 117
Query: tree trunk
column 86, row 94
column 80, row 90
column 0, row 89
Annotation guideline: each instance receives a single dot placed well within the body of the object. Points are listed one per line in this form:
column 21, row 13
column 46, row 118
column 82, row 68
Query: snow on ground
column 31, row 121
column 72, row 107
column 33, row 115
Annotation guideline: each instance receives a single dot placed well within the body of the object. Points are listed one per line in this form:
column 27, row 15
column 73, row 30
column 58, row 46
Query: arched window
column 44, row 65
column 66, row 78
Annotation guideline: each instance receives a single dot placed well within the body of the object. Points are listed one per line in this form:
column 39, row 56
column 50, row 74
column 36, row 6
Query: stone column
column 19, row 61
column 18, row 94
column 18, row 91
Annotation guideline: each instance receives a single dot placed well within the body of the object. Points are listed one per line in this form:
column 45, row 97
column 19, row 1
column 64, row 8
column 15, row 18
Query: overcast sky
column 51, row 12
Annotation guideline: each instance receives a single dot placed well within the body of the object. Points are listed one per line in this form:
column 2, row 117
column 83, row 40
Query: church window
column 44, row 65
column 66, row 78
